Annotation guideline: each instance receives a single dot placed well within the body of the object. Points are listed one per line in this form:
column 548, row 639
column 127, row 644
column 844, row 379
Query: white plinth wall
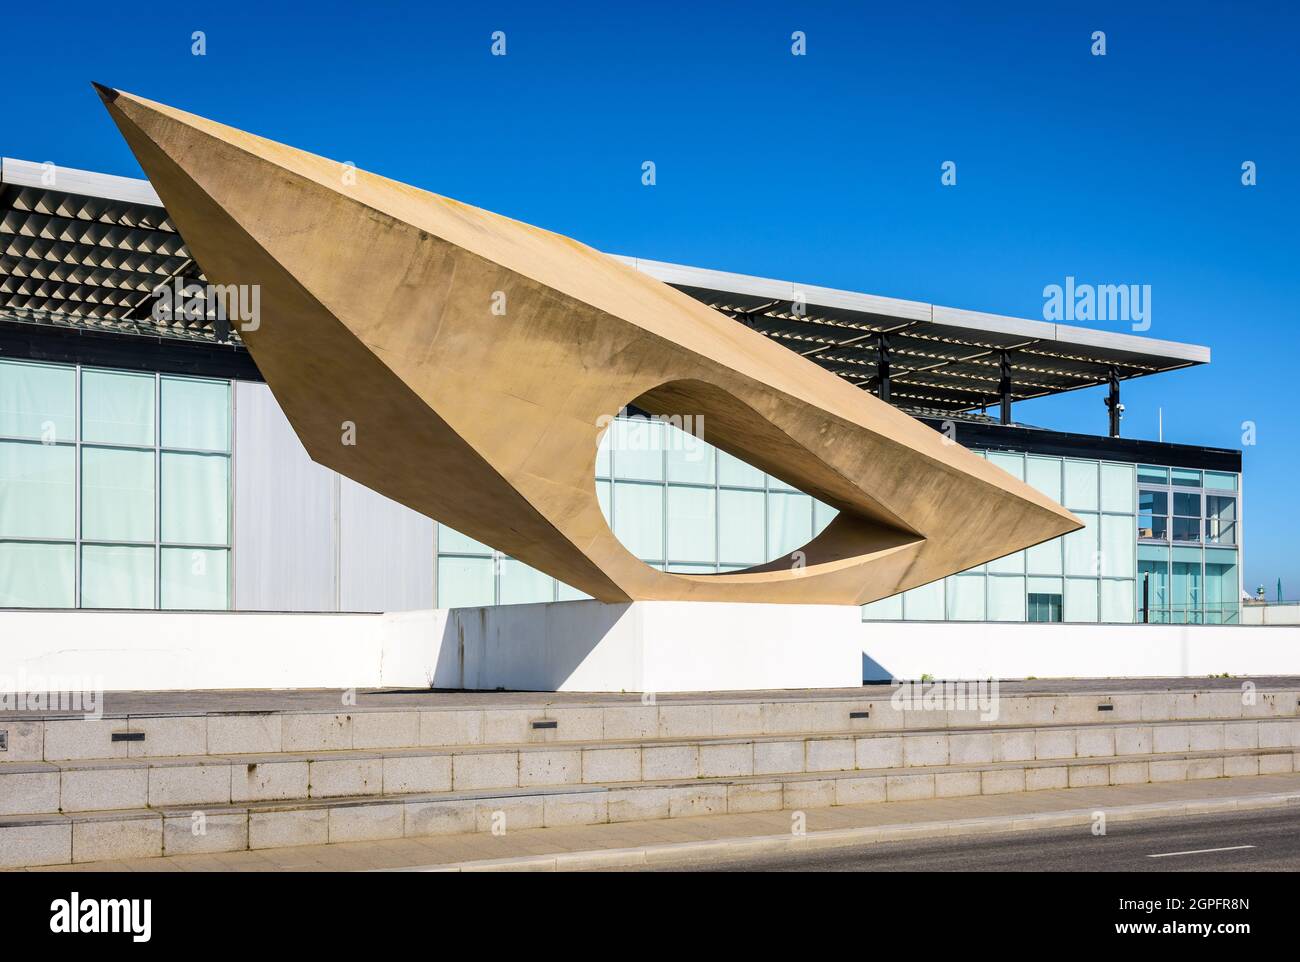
column 650, row 646
column 586, row 646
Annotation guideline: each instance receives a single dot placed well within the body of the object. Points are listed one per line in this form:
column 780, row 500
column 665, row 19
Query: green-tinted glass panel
column 37, row 490
column 689, row 459
column 1045, row 558
column 1153, row 580
column 117, row 407
column 1007, row 600
column 691, row 524
column 1012, row 564
column 569, row 593
column 466, row 582
column 1185, row 478
column 195, row 414
column 1186, row 589
column 637, row 449
column 886, row 609
column 740, row 527
column 639, row 517
column 602, row 452
column 736, row 473
column 1012, row 464
column 1081, row 485
column 117, row 494
column 36, row 575
column 195, row 579
column 1083, row 548
column 1045, row 475
column 823, row 514
column 789, row 522
column 1081, row 599
column 116, row 576
column 522, row 585
column 1222, row 587
column 1117, row 488
column 776, row 484
column 195, row 498
column 1220, row 481
column 1117, row 602
column 924, row 603
column 1117, row 546
column 38, row 401
column 965, row 598
column 1151, row 474
column 451, row 541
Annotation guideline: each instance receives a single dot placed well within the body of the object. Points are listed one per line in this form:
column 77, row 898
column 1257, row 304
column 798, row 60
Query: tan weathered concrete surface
column 377, row 311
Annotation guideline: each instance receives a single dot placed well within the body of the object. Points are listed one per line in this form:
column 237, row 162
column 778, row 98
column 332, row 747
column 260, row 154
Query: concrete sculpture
column 474, row 362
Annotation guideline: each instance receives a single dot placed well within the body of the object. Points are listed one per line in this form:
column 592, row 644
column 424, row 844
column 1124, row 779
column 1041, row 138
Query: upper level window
column 1185, row 506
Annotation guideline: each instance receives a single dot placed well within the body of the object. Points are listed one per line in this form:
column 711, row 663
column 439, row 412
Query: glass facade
column 114, row 488
column 681, row 505
column 1188, row 533
column 1171, row 533
column 677, row 503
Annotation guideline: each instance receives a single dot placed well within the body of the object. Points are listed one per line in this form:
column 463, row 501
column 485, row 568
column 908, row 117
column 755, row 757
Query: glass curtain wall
column 677, row 503
column 1087, row 576
column 1166, row 535
column 1188, row 533
column 114, row 488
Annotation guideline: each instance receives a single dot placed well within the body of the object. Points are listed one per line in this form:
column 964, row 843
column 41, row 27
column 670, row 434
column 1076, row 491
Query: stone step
column 53, row 839
column 154, row 782
column 31, row 738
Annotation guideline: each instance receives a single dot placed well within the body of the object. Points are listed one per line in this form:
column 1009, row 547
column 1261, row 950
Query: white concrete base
column 655, row 646
column 949, row 650
column 583, row 646
column 650, row 646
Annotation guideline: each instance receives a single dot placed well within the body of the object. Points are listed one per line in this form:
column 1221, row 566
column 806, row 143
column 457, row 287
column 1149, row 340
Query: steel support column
column 1004, row 389
column 882, row 366
column 1112, row 402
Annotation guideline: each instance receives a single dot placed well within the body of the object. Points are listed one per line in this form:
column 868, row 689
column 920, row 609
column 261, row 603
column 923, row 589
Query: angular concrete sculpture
column 377, row 311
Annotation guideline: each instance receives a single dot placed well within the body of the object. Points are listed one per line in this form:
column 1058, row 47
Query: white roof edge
column 70, row 180
column 135, row 190
column 917, row 311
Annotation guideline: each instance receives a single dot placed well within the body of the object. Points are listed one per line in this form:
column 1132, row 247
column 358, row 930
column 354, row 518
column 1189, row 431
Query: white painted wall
column 947, row 650
column 589, row 646
column 650, row 646
column 1270, row 614
column 307, row 539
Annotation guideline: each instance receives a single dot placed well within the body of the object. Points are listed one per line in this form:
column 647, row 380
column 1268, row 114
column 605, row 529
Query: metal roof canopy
column 86, row 250
column 941, row 358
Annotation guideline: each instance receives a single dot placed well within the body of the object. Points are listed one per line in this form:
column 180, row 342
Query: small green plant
column 926, row 676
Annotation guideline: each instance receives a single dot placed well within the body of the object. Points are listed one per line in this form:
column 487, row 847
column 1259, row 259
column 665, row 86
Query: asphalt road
column 1273, row 836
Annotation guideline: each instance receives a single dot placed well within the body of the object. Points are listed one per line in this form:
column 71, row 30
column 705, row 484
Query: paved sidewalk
column 669, row 840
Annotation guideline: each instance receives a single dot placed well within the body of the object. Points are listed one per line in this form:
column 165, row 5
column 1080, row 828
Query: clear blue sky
column 822, row 169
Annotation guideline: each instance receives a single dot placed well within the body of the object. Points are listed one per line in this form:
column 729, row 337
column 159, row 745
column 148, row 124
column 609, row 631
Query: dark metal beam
column 882, row 367
column 1112, row 402
column 1004, row 388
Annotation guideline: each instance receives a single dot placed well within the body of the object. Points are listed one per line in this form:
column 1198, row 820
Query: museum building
column 145, row 464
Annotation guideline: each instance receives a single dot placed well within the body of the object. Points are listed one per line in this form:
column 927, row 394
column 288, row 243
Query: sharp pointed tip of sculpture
column 106, row 94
